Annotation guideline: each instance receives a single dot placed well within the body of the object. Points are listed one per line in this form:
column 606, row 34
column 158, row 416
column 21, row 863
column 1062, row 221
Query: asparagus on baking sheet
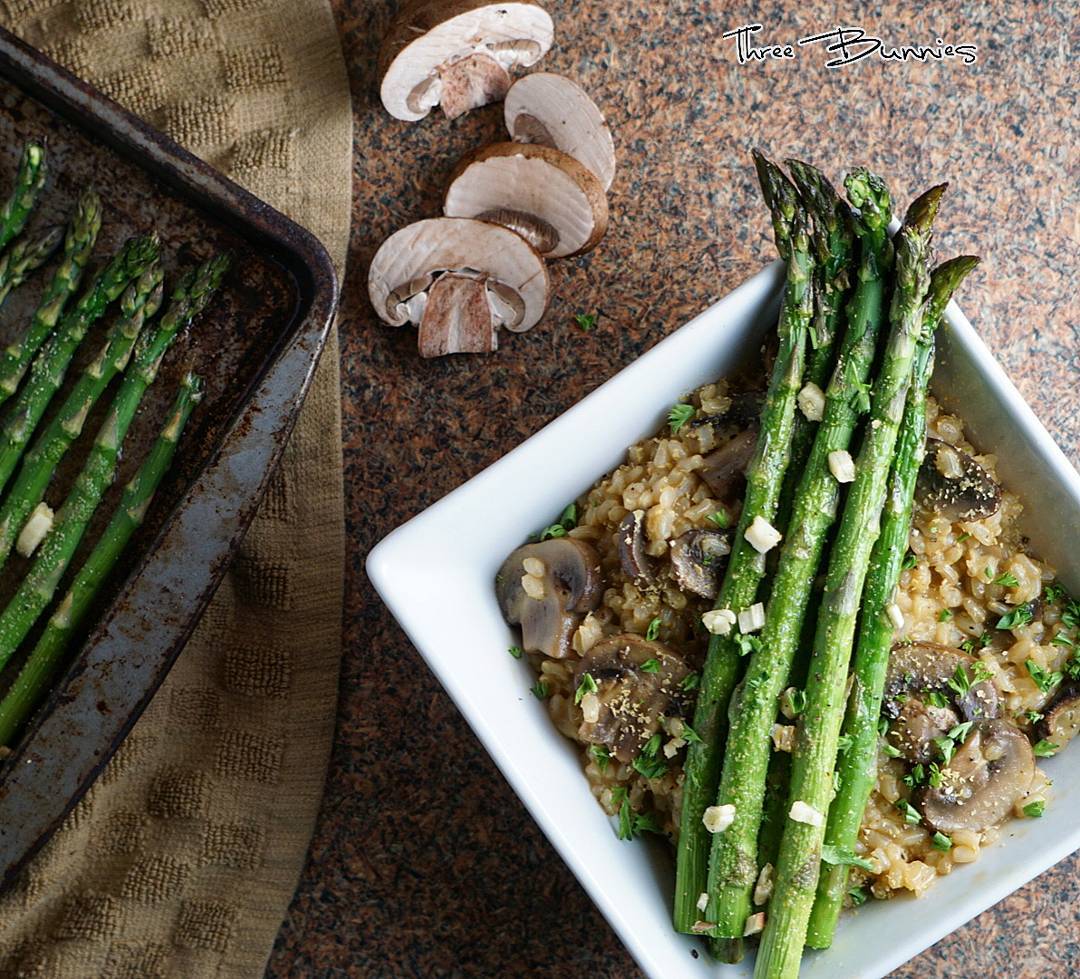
column 26, row 255
column 37, row 673
column 734, row 864
column 814, row 757
column 857, row 767
column 61, row 538
column 28, row 183
column 140, row 302
column 50, row 366
column 746, row 565
column 82, row 232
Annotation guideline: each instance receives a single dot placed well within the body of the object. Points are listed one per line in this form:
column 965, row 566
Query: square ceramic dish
column 439, row 585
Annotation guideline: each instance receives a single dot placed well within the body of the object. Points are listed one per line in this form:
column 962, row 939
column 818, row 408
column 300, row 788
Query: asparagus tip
column 923, row 210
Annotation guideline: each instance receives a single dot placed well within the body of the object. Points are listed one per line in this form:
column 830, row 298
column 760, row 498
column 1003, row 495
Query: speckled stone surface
column 424, row 862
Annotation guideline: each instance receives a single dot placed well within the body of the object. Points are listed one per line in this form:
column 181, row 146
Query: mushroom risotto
column 614, row 603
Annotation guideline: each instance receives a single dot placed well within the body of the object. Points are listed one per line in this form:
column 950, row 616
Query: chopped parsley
column 516, row 651
column 689, row 734
column 935, row 698
column 1054, row 592
column 844, row 743
column 1072, row 667
column 587, row 685
column 539, row 690
column 679, row 415
column 601, row 756
column 1071, row 615
column 555, row 530
column 891, row 750
column 721, row 519
column 837, row 857
column 944, row 615
column 1045, row 680
column 1045, row 749
column 1033, row 716
column 909, row 561
column 963, row 537
column 632, row 823
column 569, row 516
column 883, row 726
column 585, row 321
column 959, row 733
column 691, row 681
column 911, row 814
column 1019, row 616
column 651, row 633
column 960, row 682
column 933, row 777
column 980, row 672
column 747, row 644
column 860, row 396
column 1061, row 639
column 941, row 842
column 1033, row 810
column 858, row 896
column 1007, row 579
column 647, row 762
column 795, row 701
column 947, row 747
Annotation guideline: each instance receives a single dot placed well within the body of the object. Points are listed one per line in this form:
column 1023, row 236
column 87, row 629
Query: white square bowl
column 436, row 573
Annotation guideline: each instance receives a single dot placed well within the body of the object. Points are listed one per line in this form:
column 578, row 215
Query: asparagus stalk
column 28, row 183
column 814, row 757
column 82, row 232
column 140, row 303
column 833, row 242
column 24, row 257
column 733, row 865
column 50, row 366
column 38, row 587
column 746, row 567
column 858, row 764
column 40, row 668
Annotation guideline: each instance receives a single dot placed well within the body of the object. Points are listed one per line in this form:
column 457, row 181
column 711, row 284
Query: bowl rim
column 380, row 567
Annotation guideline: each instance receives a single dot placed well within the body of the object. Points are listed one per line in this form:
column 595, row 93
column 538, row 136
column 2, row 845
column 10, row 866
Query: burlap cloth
column 183, row 857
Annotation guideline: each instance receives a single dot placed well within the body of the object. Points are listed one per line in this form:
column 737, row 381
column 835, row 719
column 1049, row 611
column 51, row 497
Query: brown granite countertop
column 424, row 862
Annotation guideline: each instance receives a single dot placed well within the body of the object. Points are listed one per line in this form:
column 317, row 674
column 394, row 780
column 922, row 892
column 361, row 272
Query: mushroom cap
column 725, row 467
column 554, row 111
column 418, row 253
column 432, row 33
column 1061, row 721
column 537, row 190
column 696, row 561
column 989, row 773
column 572, row 586
column 632, row 700
column 953, row 484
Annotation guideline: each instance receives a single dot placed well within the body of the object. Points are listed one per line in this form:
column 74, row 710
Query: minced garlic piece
column 783, row 737
column 762, row 535
column 803, row 813
column 896, row 617
column 718, row 818
column 763, row 887
column 754, row 924
column 811, row 401
column 842, row 466
column 534, row 566
column 35, row 529
column 532, row 586
column 590, row 708
column 752, row 618
column 719, row 621
column 703, row 900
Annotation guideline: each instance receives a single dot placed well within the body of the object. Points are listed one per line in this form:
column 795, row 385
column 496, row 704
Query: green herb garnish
column 858, row 896
column 941, row 842
column 516, row 651
column 539, row 690
column 679, row 415
column 947, row 747
column 651, row 633
column 555, row 530
column 960, row 682
column 585, row 321
column 1019, row 616
column 944, row 615
column 1045, row 748
column 601, row 756
column 794, row 701
column 721, row 519
column 1044, row 679
column 837, row 857
column 909, row 561
column 691, row 681
column 960, row 732
column 1033, row 810
column 911, row 814
column 587, row 685
column 1007, row 579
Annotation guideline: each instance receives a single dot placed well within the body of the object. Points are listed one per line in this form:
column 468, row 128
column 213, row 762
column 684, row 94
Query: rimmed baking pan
column 256, row 348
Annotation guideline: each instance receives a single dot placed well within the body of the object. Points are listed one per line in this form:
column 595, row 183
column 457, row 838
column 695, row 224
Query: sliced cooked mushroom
column 459, row 280
column 725, row 467
column 1061, row 722
column 632, row 700
column 636, row 564
column 458, row 54
column 543, row 194
column 696, row 559
column 953, row 484
column 564, row 584
column 918, row 670
column 744, row 410
column 553, row 111
column 987, row 775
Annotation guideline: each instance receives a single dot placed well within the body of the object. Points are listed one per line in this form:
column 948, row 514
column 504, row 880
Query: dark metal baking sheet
column 256, row 348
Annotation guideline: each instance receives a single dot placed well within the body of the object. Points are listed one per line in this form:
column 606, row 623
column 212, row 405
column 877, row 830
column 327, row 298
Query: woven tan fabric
column 183, row 857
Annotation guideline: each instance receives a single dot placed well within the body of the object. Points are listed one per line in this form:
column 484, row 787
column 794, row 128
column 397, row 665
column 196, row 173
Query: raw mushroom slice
column 565, row 584
column 989, row 773
column 551, row 110
column 541, row 193
column 458, row 54
column 631, row 699
column 458, row 280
